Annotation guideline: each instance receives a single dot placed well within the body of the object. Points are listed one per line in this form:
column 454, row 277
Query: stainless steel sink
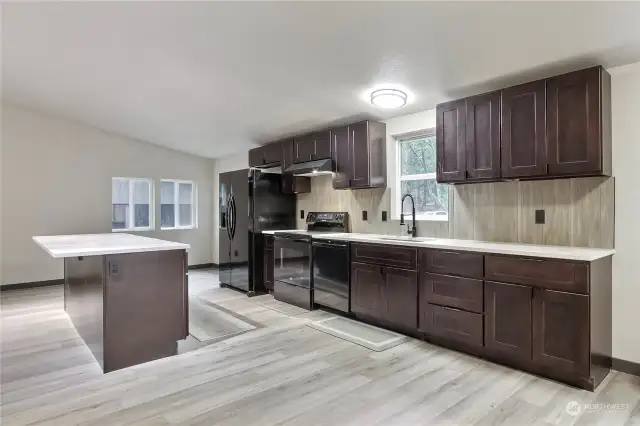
column 405, row 238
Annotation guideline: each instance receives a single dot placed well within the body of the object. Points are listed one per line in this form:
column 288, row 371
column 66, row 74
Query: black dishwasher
column 331, row 274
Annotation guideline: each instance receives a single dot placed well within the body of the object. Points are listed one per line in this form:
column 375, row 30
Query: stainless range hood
column 311, row 168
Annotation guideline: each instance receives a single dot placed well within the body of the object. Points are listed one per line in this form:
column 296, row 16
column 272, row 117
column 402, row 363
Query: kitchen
column 300, row 252
column 500, row 296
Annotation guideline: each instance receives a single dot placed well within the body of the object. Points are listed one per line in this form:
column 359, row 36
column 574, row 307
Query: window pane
column 430, row 198
column 141, row 204
column 418, row 156
column 185, row 198
column 167, row 208
column 119, row 204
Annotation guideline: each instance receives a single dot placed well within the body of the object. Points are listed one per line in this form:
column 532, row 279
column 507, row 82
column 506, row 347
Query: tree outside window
column 417, row 176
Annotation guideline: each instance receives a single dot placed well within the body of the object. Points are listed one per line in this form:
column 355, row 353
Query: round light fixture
column 389, row 98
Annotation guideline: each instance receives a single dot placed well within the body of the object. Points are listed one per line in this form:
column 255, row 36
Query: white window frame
column 131, row 213
column 406, row 137
column 176, row 204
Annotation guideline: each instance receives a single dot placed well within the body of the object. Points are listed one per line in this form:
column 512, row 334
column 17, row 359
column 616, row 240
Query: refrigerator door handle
column 233, row 216
column 229, row 218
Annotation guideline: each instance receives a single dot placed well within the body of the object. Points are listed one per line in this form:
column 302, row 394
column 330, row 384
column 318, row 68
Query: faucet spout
column 413, row 230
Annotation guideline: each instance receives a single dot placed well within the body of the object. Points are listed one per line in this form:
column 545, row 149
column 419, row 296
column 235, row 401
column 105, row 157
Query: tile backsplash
column 578, row 212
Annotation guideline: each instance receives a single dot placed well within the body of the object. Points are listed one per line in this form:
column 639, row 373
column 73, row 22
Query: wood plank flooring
column 283, row 373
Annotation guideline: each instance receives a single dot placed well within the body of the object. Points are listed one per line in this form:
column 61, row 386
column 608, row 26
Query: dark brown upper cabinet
column 523, row 131
column 316, row 146
column 551, row 128
column 483, row 136
column 341, row 157
column 269, row 154
column 575, row 117
column 450, row 141
column 362, row 163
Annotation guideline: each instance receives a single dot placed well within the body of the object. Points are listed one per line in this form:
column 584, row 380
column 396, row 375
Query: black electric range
column 295, row 272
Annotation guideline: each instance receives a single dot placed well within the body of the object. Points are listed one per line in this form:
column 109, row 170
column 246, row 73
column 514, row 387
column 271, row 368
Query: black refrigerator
column 251, row 201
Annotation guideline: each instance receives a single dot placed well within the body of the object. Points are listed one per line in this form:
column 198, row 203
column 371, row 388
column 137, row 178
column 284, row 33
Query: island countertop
column 60, row 246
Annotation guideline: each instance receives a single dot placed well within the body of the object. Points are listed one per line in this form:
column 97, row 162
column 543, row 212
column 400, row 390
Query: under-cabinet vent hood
column 311, row 168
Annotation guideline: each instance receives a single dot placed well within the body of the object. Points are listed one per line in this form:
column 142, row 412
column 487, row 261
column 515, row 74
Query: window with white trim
column 178, row 208
column 131, row 204
column 417, row 176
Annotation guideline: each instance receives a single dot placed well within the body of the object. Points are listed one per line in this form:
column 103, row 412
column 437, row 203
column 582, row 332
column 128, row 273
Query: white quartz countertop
column 99, row 244
column 550, row 252
column 293, row 231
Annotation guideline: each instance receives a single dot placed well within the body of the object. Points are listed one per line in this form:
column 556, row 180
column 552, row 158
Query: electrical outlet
column 364, row 215
column 384, row 215
column 301, row 214
column 539, row 216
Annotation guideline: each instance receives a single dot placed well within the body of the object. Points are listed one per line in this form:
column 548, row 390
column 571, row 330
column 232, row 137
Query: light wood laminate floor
column 283, row 373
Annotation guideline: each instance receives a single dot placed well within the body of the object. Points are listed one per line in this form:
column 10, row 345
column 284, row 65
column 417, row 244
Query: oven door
column 331, row 274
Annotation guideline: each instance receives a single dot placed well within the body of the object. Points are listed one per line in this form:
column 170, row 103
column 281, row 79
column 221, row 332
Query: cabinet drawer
column 377, row 254
column 542, row 273
column 455, row 292
column 452, row 324
column 451, row 262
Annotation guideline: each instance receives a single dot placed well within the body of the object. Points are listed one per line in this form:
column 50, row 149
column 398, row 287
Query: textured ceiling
column 211, row 78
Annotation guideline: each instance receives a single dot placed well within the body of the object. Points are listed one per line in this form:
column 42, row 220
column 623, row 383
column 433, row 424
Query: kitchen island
column 126, row 295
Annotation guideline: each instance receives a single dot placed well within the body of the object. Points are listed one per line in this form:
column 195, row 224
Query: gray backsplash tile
column 579, row 212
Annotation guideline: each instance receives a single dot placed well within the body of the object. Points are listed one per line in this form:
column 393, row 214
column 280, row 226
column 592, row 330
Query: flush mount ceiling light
column 388, row 98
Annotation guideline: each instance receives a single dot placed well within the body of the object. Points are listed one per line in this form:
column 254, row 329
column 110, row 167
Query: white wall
column 625, row 96
column 396, row 127
column 221, row 165
column 56, row 179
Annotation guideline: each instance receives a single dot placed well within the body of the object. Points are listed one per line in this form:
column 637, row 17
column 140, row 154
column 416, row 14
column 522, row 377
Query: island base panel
column 129, row 308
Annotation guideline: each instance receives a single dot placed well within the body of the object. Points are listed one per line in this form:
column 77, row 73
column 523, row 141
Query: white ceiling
column 210, row 78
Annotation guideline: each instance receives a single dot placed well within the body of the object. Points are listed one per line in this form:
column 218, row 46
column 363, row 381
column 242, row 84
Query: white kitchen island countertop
column 59, row 246
column 551, row 252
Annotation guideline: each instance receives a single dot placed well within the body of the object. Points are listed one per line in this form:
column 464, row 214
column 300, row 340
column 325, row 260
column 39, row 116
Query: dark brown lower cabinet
column 561, row 331
column 367, row 290
column 268, row 260
column 507, row 329
column 454, row 324
column 384, row 293
column 401, row 289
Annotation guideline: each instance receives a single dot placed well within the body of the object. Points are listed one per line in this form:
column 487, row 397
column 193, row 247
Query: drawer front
column 455, row 292
column 448, row 262
column 377, row 254
column 542, row 273
column 452, row 324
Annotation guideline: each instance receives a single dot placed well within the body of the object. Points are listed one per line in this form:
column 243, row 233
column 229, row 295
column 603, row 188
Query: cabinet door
column 450, row 141
column 256, row 157
column 573, row 123
column 367, row 290
column 268, row 268
column 341, row 157
column 322, row 146
column 561, row 331
column 272, row 153
column 523, row 130
column 303, row 149
column 507, row 319
column 483, row 136
column 286, row 147
column 401, row 291
column 359, row 152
